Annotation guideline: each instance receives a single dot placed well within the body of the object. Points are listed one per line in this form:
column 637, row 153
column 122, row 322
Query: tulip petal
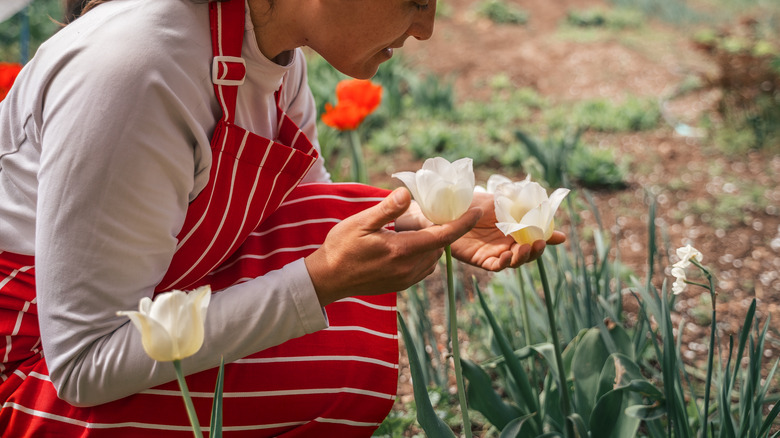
column 443, row 190
column 156, row 340
column 496, row 180
column 410, row 181
column 521, row 233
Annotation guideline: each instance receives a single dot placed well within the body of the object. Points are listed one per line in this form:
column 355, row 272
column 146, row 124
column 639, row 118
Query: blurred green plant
column 565, row 161
column 679, row 12
column 501, row 12
column 43, row 17
column 614, row 18
column 603, row 115
column 747, row 58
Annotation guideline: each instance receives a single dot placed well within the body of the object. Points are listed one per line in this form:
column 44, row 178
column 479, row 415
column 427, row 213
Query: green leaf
column 433, row 426
column 646, row 412
column 517, row 371
column 588, row 360
column 215, row 430
column 609, row 417
column 579, row 426
column 518, row 428
column 619, row 371
column 769, row 421
column 647, row 389
column 483, row 398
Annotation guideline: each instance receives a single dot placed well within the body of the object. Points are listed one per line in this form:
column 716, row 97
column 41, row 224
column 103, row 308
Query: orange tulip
column 8, row 73
column 356, row 99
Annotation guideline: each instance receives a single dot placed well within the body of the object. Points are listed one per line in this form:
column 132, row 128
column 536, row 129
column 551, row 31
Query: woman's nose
column 422, row 27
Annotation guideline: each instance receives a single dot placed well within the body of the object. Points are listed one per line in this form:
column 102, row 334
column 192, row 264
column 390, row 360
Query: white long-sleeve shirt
column 104, row 140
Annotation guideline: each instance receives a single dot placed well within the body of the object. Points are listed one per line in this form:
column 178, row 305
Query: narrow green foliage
column 215, row 428
column 501, row 12
column 433, row 426
column 518, row 373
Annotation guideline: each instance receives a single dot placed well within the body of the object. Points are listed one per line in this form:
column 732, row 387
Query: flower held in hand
column 356, row 99
column 524, row 210
column 443, row 190
column 171, row 326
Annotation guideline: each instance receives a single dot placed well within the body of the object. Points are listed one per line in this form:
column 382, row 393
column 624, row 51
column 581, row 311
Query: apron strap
column 228, row 69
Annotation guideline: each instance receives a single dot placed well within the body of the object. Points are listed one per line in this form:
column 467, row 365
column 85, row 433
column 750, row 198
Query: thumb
column 393, row 206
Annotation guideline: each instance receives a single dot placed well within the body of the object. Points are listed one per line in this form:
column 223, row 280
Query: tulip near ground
column 442, row 189
column 525, row 211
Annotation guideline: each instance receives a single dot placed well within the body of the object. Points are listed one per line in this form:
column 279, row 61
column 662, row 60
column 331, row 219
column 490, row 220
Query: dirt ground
column 745, row 257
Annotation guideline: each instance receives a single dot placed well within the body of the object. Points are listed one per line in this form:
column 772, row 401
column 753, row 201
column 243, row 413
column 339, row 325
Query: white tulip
column 524, row 210
column 443, row 190
column 493, row 182
column 171, row 326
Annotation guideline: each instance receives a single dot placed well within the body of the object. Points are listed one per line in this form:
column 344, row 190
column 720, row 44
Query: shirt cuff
column 311, row 314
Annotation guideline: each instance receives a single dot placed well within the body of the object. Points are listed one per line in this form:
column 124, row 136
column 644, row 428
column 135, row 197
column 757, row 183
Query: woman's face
column 355, row 36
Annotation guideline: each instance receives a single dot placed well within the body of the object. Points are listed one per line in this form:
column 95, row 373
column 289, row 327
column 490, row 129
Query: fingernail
column 398, row 197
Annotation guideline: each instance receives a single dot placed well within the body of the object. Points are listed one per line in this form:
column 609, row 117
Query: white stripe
column 295, row 224
column 40, row 376
column 281, row 119
column 276, row 177
column 278, row 393
column 13, row 275
column 153, row 426
column 347, row 422
column 355, row 328
column 367, row 304
column 7, row 348
column 20, row 374
column 251, row 196
column 224, row 214
column 19, row 317
column 338, row 198
column 87, row 425
column 317, row 359
column 211, row 196
column 265, row 256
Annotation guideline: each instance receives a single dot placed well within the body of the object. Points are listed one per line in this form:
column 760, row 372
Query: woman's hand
column 485, row 246
column 360, row 257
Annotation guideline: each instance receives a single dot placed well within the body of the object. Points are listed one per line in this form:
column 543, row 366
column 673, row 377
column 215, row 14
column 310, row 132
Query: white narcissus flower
column 524, row 210
column 171, row 326
column 443, row 190
column 686, row 254
column 679, row 282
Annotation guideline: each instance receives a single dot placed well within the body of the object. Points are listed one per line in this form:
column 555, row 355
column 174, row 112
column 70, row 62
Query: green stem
column 713, row 327
column 526, row 324
column 358, row 166
column 524, row 308
column 185, row 393
column 454, row 340
column 564, row 390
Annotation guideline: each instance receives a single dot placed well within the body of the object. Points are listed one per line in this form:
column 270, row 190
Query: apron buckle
column 228, row 70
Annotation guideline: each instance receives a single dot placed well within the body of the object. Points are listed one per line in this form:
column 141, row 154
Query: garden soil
column 744, row 256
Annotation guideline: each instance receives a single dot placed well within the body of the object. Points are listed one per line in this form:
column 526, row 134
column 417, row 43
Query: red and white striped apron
column 253, row 217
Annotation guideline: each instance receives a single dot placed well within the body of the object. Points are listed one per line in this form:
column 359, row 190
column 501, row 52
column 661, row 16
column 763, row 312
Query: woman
column 153, row 145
